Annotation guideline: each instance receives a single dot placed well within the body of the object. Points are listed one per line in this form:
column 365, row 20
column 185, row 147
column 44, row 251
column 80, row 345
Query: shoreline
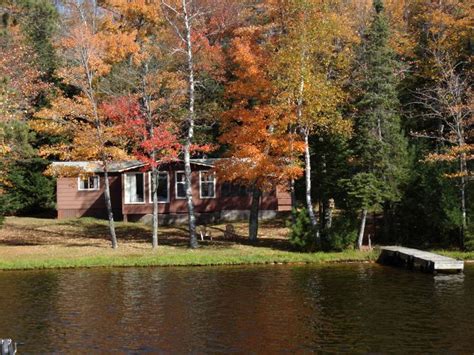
column 143, row 261
column 189, row 259
column 36, row 244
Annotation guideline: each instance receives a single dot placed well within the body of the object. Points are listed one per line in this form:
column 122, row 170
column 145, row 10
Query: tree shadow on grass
column 91, row 231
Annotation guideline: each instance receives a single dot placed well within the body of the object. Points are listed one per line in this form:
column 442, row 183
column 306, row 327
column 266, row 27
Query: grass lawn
column 31, row 243
column 457, row 254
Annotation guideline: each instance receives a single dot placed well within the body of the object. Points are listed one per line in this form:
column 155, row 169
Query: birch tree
column 450, row 102
column 185, row 18
column 313, row 57
column 92, row 42
column 151, row 82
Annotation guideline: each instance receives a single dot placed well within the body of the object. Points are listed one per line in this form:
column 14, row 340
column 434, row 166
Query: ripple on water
column 339, row 308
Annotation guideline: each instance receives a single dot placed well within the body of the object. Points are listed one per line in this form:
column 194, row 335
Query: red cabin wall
column 72, row 203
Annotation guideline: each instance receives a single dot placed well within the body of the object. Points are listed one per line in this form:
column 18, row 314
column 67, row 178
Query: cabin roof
column 96, row 166
column 120, row 166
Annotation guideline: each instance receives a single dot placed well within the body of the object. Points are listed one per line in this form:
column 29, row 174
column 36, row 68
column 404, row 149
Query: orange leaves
column 20, row 79
column 466, row 151
column 262, row 151
column 92, row 44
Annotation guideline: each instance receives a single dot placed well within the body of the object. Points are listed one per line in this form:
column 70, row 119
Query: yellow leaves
column 454, row 154
column 4, row 149
column 20, row 79
column 447, row 27
column 62, row 151
column 92, row 45
column 466, row 151
column 118, row 46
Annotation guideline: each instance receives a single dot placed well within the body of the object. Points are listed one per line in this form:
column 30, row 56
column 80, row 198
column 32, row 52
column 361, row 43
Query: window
column 180, row 185
column 163, row 187
column 134, row 188
column 233, row 190
column 88, row 183
column 207, row 184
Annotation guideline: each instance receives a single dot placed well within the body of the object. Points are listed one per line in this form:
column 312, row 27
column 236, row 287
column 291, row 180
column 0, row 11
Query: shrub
column 469, row 238
column 302, row 235
column 342, row 234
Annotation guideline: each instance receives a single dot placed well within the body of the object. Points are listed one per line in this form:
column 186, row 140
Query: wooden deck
column 419, row 260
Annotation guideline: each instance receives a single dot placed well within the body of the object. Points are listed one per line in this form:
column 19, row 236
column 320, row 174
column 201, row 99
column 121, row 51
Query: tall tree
column 314, row 53
column 21, row 87
column 187, row 20
column 444, row 98
column 379, row 144
column 40, row 34
column 92, row 41
column 153, row 146
column 255, row 129
column 154, row 85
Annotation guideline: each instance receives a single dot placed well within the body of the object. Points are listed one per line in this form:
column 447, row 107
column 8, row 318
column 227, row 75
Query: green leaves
column 367, row 191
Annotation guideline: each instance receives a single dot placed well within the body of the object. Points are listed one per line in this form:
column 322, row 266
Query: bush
column 302, row 235
column 469, row 238
column 342, row 234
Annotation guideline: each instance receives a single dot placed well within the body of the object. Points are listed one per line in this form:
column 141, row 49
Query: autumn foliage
column 262, row 151
column 129, row 121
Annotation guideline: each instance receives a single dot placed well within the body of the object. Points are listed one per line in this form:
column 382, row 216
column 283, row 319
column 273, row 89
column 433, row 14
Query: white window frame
column 168, row 187
column 79, row 178
column 200, row 185
column 125, row 190
column 176, row 184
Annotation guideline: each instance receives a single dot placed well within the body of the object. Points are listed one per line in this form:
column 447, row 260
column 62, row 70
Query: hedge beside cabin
column 83, row 195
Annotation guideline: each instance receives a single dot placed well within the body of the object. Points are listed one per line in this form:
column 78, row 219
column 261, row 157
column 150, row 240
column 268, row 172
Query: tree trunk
column 190, row 134
column 293, row 201
column 100, row 138
column 360, row 239
column 309, row 202
column 328, row 213
column 253, row 217
column 463, row 167
column 154, row 189
column 108, row 204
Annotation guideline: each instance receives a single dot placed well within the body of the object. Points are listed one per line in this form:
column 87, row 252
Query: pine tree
column 379, row 144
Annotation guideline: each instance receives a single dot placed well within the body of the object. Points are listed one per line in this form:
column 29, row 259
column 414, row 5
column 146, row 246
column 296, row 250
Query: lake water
column 264, row 309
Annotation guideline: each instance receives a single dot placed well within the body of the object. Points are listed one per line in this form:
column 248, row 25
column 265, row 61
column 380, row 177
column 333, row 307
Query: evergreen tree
column 379, row 144
column 39, row 33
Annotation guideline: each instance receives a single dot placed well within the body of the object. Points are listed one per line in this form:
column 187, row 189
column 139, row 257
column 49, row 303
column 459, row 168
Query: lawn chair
column 204, row 232
column 7, row 347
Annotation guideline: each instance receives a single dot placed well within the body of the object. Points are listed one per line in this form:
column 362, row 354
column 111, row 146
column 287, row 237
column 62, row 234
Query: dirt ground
column 87, row 236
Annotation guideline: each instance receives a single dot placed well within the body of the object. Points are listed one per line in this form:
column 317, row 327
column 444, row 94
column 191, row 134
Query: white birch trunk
column 190, row 133
column 154, row 171
column 360, row 239
column 108, row 203
column 309, row 202
column 154, row 189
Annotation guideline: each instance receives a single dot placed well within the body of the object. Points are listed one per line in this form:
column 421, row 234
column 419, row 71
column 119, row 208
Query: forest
column 362, row 108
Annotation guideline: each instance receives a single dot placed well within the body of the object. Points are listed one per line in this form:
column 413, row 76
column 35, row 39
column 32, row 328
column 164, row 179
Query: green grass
column 166, row 256
column 457, row 254
column 32, row 243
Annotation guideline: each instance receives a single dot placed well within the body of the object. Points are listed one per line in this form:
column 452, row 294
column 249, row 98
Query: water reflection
column 351, row 308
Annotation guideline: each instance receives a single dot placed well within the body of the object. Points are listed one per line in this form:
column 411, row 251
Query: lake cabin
column 81, row 194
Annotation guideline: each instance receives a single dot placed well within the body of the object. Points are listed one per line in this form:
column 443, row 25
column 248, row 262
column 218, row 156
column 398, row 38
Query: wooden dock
column 419, row 260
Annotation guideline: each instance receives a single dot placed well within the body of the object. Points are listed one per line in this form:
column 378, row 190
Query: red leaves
column 146, row 141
